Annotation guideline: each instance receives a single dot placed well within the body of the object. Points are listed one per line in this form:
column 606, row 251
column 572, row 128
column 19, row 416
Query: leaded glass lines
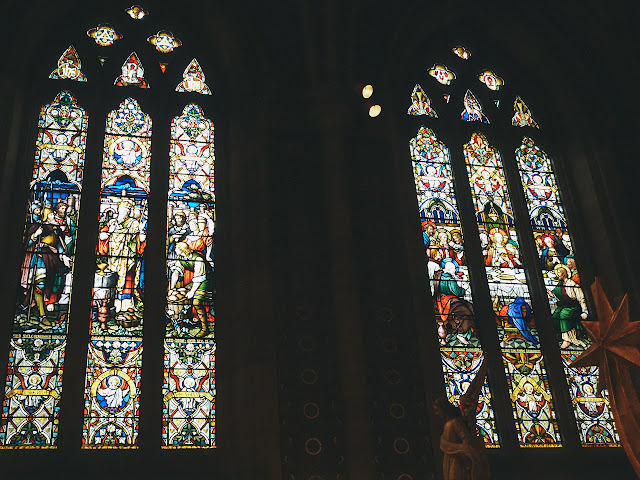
column 566, row 298
column 114, row 358
column 524, row 365
column 460, row 349
column 41, row 319
column 189, row 356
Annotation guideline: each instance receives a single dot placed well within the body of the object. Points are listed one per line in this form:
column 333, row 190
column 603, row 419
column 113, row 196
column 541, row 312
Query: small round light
column 367, row 91
column 375, row 110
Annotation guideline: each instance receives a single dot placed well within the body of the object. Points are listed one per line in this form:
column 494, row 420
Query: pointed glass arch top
column 69, row 67
column 114, row 360
column 444, row 243
column 41, row 319
column 522, row 115
column 193, row 80
column 420, row 103
column 132, row 73
column 472, row 109
column 189, row 356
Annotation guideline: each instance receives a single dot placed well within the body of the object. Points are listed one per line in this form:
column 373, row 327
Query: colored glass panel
column 41, row 318
column 460, row 348
column 491, row 80
column 164, row 41
column 193, row 80
column 472, row 109
column 566, row 298
column 104, row 35
column 442, row 74
column 522, row 115
column 115, row 349
column 132, row 73
column 420, row 103
column 462, row 52
column 136, row 12
column 69, row 66
column 524, row 364
column 189, row 388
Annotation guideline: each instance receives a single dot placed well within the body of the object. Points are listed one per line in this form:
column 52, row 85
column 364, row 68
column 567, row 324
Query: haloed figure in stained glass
column 122, row 241
column 49, row 246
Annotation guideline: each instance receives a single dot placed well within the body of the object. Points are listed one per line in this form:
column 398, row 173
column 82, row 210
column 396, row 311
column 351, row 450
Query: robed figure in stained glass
column 122, row 240
column 452, row 306
column 46, row 261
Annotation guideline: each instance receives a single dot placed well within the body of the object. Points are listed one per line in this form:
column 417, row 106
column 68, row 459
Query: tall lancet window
column 189, row 347
column 114, row 360
column 524, row 364
column 41, row 320
column 460, row 348
column 134, row 76
column 530, row 290
column 566, row 298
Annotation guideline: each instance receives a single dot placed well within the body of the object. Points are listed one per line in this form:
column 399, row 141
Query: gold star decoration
column 615, row 351
column 615, row 339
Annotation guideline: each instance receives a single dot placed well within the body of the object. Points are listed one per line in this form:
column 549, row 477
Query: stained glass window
column 189, row 357
column 69, row 66
column 114, row 358
column 420, row 103
column 460, row 348
column 522, row 115
column 193, row 80
column 132, row 73
column 532, row 404
column 472, row 109
column 566, row 298
column 442, row 74
column 164, row 41
column 104, row 35
column 41, row 319
column 491, row 80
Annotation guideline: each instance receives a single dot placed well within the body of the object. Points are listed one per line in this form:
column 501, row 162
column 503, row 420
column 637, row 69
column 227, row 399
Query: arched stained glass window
column 443, row 238
column 114, row 359
column 524, row 364
column 117, row 269
column 566, row 297
column 189, row 357
column 41, row 320
column 512, row 261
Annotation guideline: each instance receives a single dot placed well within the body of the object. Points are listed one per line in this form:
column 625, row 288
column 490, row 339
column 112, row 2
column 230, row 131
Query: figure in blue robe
column 520, row 314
